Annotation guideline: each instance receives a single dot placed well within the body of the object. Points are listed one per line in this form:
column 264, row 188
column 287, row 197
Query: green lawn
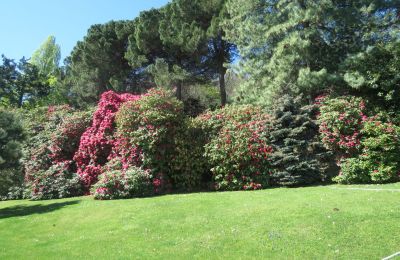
column 326, row 222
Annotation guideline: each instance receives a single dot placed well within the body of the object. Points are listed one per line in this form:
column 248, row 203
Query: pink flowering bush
column 133, row 182
column 367, row 147
column 379, row 161
column 147, row 129
column 340, row 124
column 98, row 140
column 54, row 138
column 238, row 150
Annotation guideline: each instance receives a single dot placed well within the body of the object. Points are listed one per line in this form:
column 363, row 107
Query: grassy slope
column 313, row 222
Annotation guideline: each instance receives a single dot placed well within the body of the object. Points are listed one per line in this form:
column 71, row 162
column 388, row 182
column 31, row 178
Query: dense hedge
column 135, row 146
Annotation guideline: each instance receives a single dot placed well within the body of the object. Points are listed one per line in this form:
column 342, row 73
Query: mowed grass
column 325, row 222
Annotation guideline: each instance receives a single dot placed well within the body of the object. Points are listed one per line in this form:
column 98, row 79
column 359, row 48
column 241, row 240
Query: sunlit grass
column 303, row 223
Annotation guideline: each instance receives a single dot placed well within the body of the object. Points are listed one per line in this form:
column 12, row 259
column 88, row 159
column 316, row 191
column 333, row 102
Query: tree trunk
column 179, row 90
column 222, row 89
column 20, row 100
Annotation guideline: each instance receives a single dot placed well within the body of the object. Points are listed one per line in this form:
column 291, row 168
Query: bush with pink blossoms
column 238, row 151
column 340, row 124
column 379, row 161
column 134, row 182
column 98, row 140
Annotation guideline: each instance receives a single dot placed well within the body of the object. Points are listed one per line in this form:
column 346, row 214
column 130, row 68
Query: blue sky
column 25, row 24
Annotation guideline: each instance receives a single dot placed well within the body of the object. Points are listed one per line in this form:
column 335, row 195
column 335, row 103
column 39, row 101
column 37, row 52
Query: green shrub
column 379, row 161
column 299, row 157
column 11, row 137
column 341, row 120
column 190, row 168
column 56, row 182
column 134, row 182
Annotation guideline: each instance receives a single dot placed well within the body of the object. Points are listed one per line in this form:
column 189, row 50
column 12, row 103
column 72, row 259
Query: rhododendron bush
column 367, row 147
column 133, row 182
column 238, row 150
column 98, row 140
column 147, row 129
column 54, row 138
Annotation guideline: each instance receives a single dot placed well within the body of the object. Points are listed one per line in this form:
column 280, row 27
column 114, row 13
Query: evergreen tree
column 97, row 63
column 11, row 136
column 299, row 157
column 298, row 46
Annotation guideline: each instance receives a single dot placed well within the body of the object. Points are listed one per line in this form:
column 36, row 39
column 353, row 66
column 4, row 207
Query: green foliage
column 379, row 161
column 299, row 46
column 47, row 57
column 151, row 124
column 237, row 149
column 341, row 120
column 97, row 63
column 134, row 182
column 11, row 137
column 375, row 74
column 299, row 157
column 56, row 182
column 21, row 84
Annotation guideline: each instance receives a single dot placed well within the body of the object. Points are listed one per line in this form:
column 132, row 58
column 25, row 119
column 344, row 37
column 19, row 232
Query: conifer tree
column 298, row 46
column 299, row 157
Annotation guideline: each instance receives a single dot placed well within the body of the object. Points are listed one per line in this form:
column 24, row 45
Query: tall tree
column 47, row 57
column 21, row 82
column 298, row 46
column 97, row 63
column 194, row 29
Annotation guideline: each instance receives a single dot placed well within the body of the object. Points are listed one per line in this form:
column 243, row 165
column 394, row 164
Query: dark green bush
column 299, row 158
column 11, row 137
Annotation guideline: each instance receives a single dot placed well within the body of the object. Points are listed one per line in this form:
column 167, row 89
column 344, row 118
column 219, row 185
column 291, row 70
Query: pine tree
column 298, row 46
column 299, row 157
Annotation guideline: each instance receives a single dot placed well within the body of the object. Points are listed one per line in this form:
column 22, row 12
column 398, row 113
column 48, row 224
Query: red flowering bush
column 238, row 150
column 134, row 182
column 98, row 140
column 379, row 161
column 340, row 123
column 147, row 129
column 65, row 141
column 54, row 137
column 41, row 124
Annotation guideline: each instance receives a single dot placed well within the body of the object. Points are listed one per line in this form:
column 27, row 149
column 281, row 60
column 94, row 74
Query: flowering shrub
column 341, row 120
column 379, row 161
column 97, row 141
column 238, row 150
column 147, row 129
column 54, row 138
column 191, row 169
column 65, row 140
column 56, row 182
column 134, row 182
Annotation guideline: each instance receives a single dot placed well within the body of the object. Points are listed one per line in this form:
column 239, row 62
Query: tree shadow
column 25, row 210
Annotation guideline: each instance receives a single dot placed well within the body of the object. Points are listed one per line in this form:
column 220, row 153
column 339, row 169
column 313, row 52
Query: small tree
column 298, row 158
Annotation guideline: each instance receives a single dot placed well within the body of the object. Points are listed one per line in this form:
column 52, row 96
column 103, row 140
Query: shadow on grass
column 25, row 210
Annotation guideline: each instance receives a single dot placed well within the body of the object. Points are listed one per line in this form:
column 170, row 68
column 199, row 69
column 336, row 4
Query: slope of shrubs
column 135, row 146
